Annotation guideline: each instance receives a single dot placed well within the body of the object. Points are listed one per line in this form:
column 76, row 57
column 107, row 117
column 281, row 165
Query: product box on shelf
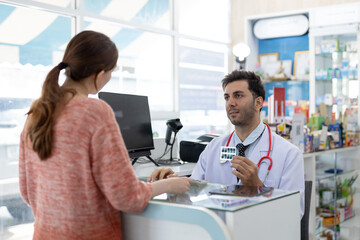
column 309, row 143
column 319, row 224
column 349, row 212
column 303, row 110
column 348, row 194
column 330, row 221
column 329, row 46
column 336, row 132
column 352, row 138
column 315, row 122
column 351, row 46
column 327, row 234
column 341, row 211
column 316, row 141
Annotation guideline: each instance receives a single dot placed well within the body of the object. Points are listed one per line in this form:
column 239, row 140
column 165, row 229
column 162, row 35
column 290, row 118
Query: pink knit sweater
column 79, row 191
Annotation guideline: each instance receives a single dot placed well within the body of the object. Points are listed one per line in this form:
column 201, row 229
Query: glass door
column 336, row 71
column 335, row 82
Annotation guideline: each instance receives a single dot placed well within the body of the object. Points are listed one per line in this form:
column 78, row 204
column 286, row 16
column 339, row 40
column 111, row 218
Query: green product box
column 315, row 122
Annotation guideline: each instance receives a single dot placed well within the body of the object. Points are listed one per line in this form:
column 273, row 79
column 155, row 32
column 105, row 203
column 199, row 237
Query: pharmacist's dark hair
column 256, row 86
column 86, row 54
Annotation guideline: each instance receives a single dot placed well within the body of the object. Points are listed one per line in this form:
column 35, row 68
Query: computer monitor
column 132, row 113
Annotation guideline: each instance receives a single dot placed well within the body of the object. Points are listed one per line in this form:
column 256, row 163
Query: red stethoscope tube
column 268, row 153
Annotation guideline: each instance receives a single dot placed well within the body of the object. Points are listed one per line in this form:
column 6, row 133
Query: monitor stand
column 135, row 159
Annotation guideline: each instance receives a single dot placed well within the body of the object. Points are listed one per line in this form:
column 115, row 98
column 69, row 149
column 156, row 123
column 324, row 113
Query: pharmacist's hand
column 161, row 173
column 246, row 170
column 178, row 185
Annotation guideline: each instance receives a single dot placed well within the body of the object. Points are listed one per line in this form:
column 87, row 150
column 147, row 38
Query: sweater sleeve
column 112, row 170
column 22, row 169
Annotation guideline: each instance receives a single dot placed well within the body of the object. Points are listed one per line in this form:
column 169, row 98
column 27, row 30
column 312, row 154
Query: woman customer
column 75, row 171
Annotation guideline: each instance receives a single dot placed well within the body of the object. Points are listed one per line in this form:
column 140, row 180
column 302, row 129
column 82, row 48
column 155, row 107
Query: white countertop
column 145, row 169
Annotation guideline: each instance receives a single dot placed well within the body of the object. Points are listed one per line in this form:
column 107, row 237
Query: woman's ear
column 99, row 75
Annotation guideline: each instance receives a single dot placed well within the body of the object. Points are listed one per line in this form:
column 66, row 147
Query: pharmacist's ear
column 258, row 103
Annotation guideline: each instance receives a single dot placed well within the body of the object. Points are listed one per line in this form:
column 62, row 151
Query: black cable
column 170, row 149
column 141, row 160
column 165, row 152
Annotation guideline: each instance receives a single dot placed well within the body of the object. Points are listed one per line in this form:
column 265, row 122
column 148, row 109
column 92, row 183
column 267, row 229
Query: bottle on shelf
column 338, row 187
column 337, row 232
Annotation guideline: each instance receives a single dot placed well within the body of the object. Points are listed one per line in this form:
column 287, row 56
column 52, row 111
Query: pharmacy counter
column 201, row 215
column 145, row 169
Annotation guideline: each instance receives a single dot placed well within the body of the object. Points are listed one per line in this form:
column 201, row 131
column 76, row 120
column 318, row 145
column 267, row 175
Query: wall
column 240, row 9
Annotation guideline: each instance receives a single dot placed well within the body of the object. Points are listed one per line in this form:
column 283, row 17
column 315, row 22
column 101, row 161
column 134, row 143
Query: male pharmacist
column 262, row 157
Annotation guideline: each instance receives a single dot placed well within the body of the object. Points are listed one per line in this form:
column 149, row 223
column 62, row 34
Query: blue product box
column 309, row 144
column 316, row 142
column 337, row 134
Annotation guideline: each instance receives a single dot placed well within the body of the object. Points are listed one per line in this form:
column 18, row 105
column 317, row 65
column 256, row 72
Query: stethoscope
column 263, row 158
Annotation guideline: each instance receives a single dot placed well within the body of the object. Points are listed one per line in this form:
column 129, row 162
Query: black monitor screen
column 133, row 116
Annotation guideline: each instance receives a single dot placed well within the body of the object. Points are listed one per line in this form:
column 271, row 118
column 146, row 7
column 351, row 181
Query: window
column 30, row 46
column 145, row 64
column 59, row 3
column 201, row 69
column 156, row 13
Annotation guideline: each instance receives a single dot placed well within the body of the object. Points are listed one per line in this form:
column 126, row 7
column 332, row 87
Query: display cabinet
column 334, row 45
column 334, row 61
column 334, row 208
column 335, row 70
column 335, row 192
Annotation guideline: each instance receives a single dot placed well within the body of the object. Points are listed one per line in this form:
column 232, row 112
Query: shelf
column 289, row 80
column 327, row 161
column 329, row 227
column 329, row 80
column 320, row 175
column 330, row 151
column 330, row 53
column 345, row 221
column 322, row 204
column 330, row 202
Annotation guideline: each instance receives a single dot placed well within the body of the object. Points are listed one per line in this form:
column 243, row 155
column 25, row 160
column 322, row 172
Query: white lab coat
column 287, row 171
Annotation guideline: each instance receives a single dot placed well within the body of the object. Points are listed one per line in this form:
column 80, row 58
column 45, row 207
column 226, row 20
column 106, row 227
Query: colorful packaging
column 316, row 122
column 336, row 133
column 309, row 144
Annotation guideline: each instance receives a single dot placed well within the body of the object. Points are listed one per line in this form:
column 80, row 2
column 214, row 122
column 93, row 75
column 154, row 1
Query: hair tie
column 62, row 65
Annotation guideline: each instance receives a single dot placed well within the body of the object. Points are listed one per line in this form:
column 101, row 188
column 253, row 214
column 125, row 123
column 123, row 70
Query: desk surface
column 145, row 169
column 195, row 216
column 199, row 195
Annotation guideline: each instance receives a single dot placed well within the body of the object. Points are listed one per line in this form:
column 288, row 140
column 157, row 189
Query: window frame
column 79, row 15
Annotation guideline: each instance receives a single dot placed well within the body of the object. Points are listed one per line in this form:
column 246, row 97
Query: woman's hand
column 161, row 173
column 174, row 185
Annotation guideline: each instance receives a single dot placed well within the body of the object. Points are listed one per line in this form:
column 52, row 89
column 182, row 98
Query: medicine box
column 336, row 133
